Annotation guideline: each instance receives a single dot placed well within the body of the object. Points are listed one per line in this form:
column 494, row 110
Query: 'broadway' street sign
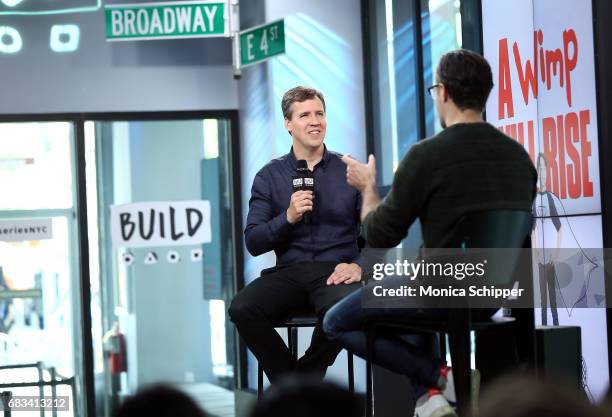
column 168, row 20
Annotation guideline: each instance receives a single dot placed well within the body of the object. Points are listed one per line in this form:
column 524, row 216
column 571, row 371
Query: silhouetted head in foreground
column 304, row 397
column 520, row 396
column 160, row 401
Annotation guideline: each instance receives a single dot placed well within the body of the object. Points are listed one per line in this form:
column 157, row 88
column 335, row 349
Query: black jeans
column 279, row 292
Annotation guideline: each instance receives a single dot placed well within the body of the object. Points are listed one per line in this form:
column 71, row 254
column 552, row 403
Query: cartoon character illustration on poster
column 547, row 236
column 564, row 275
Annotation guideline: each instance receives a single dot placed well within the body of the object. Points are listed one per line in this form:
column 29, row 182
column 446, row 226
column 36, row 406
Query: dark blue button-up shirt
column 334, row 229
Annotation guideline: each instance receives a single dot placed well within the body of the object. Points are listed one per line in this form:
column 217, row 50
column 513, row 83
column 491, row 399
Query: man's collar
column 293, row 161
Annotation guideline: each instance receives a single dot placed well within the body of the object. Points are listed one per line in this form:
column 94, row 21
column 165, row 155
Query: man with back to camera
column 470, row 166
column 313, row 234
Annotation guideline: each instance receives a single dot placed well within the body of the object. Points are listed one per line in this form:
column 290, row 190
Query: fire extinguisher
column 117, row 352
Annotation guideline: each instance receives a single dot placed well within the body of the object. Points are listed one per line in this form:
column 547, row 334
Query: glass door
column 162, row 258
column 40, row 333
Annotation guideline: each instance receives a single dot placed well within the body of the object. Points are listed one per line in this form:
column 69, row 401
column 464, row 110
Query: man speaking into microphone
column 301, row 208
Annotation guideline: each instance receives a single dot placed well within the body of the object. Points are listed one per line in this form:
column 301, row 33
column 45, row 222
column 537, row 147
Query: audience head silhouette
column 304, row 397
column 160, row 401
column 521, row 396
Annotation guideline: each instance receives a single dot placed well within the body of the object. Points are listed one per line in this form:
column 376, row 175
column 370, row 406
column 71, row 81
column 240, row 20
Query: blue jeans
column 414, row 355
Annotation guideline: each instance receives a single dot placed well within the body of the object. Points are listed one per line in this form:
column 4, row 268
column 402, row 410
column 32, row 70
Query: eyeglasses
column 431, row 90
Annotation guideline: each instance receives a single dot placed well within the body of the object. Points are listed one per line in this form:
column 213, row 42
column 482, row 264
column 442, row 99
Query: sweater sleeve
column 386, row 226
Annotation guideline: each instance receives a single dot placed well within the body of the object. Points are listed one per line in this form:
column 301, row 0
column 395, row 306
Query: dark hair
column 299, row 94
column 306, row 397
column 523, row 396
column 467, row 77
column 160, row 401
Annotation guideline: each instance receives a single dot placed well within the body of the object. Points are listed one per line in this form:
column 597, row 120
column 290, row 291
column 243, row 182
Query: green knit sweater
column 465, row 168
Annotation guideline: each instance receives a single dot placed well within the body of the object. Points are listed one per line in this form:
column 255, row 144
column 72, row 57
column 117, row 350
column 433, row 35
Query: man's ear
column 444, row 93
column 287, row 122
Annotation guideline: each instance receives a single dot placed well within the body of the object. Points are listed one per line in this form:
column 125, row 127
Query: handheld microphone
column 303, row 180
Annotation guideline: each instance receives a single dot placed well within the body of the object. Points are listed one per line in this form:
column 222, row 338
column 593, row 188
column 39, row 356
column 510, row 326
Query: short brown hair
column 299, row 94
column 467, row 77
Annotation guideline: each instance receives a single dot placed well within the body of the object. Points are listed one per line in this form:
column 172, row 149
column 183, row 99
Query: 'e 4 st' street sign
column 166, row 20
column 262, row 42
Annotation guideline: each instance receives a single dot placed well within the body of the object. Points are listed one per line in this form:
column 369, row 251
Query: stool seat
column 297, row 320
column 437, row 326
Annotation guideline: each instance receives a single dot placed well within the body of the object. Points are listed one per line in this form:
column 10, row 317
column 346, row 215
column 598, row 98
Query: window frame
column 80, row 206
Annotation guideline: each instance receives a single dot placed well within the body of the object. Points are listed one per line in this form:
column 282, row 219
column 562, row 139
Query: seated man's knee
column 239, row 310
column 330, row 326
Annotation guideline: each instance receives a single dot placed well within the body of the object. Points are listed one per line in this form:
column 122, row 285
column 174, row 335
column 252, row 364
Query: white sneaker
column 435, row 406
column 449, row 391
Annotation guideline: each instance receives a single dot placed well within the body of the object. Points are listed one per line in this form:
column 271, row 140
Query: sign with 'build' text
column 170, row 223
column 544, row 95
column 167, row 20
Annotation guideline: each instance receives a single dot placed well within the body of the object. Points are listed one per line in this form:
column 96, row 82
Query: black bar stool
column 292, row 323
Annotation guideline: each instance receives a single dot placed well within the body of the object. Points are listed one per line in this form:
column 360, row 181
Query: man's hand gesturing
column 301, row 202
column 361, row 176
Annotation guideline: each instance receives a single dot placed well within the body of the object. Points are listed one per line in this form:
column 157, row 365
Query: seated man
column 469, row 166
column 315, row 259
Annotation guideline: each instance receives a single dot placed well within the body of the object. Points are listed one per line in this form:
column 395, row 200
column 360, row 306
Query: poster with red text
column 542, row 59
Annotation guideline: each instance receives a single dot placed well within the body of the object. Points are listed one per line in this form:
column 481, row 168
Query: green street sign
column 262, row 42
column 167, row 20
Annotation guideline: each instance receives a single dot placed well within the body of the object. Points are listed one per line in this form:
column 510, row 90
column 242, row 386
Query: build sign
column 172, row 223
